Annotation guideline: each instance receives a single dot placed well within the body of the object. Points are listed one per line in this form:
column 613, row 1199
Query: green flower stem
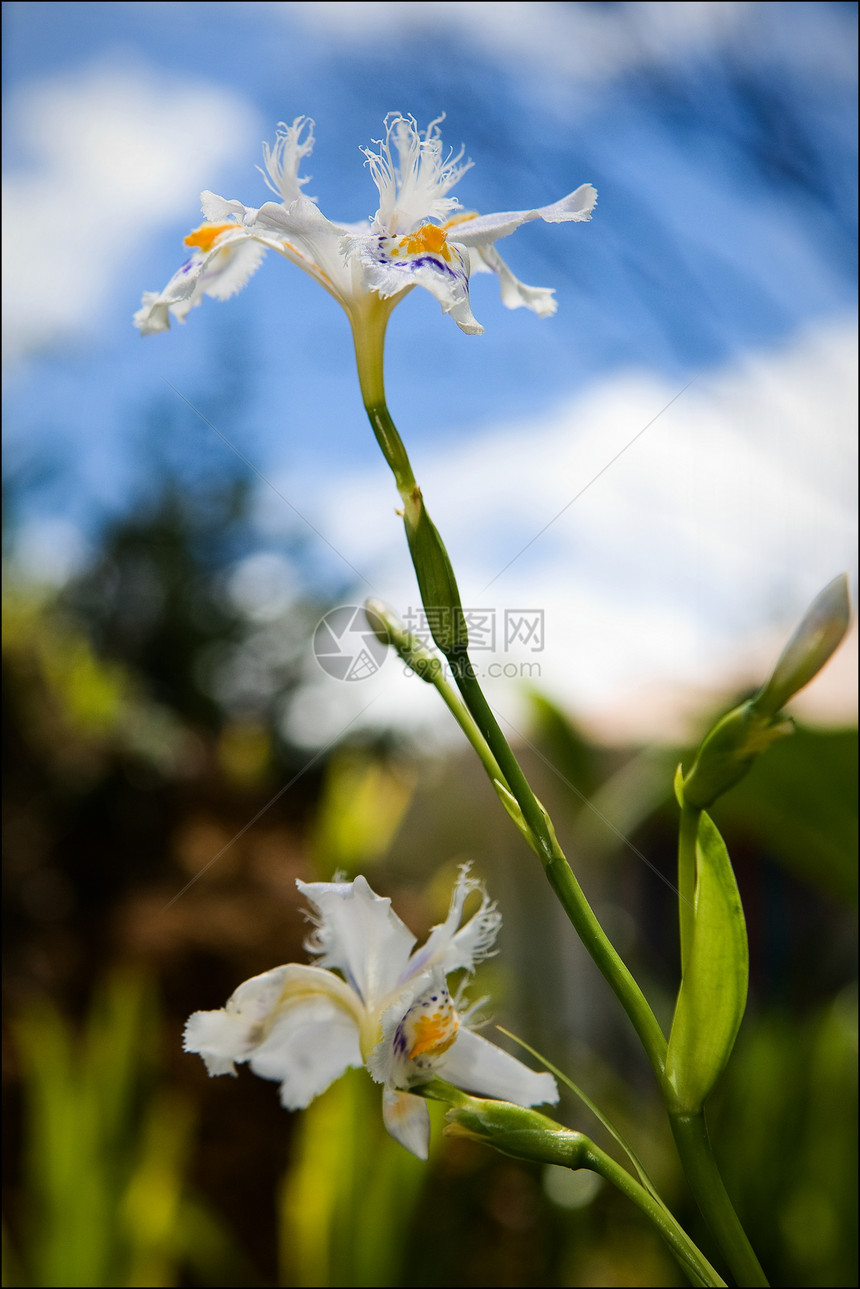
column 392, row 448
column 527, row 1134
column 463, row 717
column 368, row 334
column 695, row 1152
column 561, row 877
column 687, row 835
column 557, row 869
column 691, row 1258
column 458, row 710
column 428, row 666
column 700, row 1166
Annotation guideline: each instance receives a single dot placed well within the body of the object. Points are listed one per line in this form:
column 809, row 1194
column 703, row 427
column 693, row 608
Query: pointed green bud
column 744, row 733
column 389, row 630
column 820, row 633
column 436, row 582
column 523, row 1134
column 377, row 615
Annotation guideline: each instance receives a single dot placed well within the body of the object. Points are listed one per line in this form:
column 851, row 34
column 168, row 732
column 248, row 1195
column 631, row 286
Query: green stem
column 694, row 1149
column 687, row 835
column 392, row 447
column 697, row 1156
column 368, row 335
column 558, row 871
column 467, row 724
column 527, row 1134
column 691, row 1258
column 561, row 877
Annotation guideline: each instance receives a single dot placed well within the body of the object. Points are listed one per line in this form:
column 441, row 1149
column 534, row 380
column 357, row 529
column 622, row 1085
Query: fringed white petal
column 413, row 175
column 389, row 271
column 219, row 273
column 486, row 229
column 358, row 933
column 516, row 294
column 451, row 947
column 462, row 314
column 228, row 270
column 310, row 1044
column 478, row 1066
column 232, row 1033
column 218, row 210
column 303, row 235
column 296, row 1024
column 293, row 143
column 153, row 315
column 408, row 1120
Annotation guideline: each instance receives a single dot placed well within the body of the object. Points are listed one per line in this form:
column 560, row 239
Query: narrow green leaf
column 598, row 1114
column 713, row 991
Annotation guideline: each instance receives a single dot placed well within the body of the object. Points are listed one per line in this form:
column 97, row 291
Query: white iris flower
column 419, row 236
column 389, row 1009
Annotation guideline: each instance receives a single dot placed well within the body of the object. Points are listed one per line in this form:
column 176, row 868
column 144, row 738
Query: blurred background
column 663, row 475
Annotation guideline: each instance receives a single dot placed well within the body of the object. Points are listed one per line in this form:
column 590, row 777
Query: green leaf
column 713, row 991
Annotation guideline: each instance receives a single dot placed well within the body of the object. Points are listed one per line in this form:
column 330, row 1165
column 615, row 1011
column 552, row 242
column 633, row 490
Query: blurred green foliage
column 348, row 1202
column 786, row 1119
column 143, row 730
column 104, row 1196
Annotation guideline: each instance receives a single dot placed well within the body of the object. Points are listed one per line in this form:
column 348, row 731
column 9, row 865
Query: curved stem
column 688, row 1254
column 368, row 335
column 697, row 1156
column 469, row 726
column 561, row 877
column 392, row 448
column 369, row 348
column 690, row 1133
column 523, row 1133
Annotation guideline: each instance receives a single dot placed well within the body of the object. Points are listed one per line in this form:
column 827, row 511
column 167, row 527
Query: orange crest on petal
column 207, row 235
column 428, row 238
column 431, row 1025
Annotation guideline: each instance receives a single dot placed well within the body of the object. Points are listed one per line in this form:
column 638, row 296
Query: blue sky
column 722, row 140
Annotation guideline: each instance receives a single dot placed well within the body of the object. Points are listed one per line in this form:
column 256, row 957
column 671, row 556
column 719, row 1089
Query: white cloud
column 113, row 153
column 587, row 41
column 678, row 570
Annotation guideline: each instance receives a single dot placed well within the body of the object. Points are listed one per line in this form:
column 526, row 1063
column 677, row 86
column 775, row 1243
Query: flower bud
column 523, row 1134
column 728, row 751
column 744, row 733
column 436, row 581
column 823, row 627
column 389, row 630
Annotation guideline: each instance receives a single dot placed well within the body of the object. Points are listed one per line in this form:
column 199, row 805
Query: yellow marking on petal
column 433, row 1034
column 429, row 237
column 460, row 218
column 207, row 235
